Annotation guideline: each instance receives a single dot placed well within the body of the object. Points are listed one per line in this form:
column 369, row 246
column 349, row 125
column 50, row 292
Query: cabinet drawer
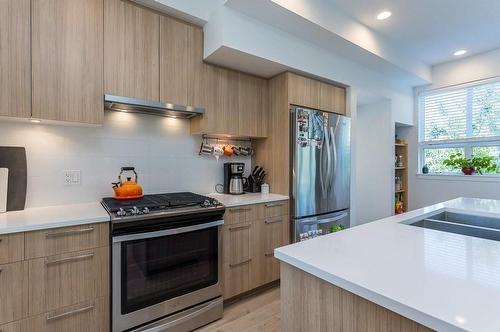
column 238, row 214
column 60, row 240
column 89, row 316
column 11, row 248
column 13, row 291
column 274, row 209
column 64, row 280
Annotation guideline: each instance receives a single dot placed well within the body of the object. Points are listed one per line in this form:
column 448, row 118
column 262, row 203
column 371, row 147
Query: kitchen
column 156, row 164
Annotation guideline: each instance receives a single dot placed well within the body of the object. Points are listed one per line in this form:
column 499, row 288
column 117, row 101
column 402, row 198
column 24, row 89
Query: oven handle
column 166, row 232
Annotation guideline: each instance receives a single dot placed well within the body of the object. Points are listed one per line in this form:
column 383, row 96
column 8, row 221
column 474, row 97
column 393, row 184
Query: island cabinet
column 59, row 282
column 15, row 60
column 131, row 50
column 67, row 60
column 250, row 235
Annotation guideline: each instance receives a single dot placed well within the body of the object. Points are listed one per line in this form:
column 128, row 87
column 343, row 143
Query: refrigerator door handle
column 322, row 166
column 328, row 161
column 325, row 221
column 333, row 164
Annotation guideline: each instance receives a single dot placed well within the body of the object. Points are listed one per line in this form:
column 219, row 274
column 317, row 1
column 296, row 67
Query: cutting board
column 14, row 158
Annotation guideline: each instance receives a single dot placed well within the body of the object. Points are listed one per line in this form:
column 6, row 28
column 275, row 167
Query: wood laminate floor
column 255, row 313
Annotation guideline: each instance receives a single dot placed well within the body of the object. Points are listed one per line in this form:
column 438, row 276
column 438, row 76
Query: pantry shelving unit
column 401, row 149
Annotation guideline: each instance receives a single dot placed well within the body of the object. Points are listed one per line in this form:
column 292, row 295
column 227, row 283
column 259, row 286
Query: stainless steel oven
column 167, row 278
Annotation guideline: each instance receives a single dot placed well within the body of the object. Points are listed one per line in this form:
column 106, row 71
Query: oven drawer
column 13, row 291
column 11, row 248
column 66, row 239
column 64, row 280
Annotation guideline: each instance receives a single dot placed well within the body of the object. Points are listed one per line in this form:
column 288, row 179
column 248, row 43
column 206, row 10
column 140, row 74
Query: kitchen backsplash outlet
column 163, row 152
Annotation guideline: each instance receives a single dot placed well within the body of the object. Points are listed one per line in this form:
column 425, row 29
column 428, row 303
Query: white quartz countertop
column 247, row 198
column 446, row 281
column 51, row 217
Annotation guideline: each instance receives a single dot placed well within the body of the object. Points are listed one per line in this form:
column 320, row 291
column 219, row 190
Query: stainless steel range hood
column 133, row 105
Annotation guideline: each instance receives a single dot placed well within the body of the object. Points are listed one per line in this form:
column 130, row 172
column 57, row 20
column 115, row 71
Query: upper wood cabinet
column 308, row 92
column 181, row 54
column 131, row 50
column 67, row 60
column 252, row 106
column 15, row 71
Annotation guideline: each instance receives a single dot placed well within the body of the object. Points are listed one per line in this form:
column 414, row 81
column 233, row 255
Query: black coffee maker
column 234, row 182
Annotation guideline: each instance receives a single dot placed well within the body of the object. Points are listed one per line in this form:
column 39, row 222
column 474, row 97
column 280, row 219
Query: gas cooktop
column 159, row 204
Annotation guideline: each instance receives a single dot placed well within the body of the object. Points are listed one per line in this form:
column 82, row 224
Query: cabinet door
column 11, row 247
column 252, row 106
column 303, row 91
column 332, row 98
column 13, row 291
column 67, row 60
column 269, row 234
column 67, row 279
column 131, row 50
column 15, row 61
column 181, row 52
column 217, row 92
column 236, row 259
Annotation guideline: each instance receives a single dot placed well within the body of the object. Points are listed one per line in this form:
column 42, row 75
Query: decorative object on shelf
column 400, row 162
column 399, row 208
column 425, row 169
column 472, row 165
column 398, row 183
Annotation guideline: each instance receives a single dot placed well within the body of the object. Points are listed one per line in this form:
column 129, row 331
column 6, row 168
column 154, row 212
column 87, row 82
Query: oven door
column 158, row 273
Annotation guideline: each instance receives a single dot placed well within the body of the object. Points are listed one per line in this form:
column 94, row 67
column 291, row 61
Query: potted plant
column 472, row 165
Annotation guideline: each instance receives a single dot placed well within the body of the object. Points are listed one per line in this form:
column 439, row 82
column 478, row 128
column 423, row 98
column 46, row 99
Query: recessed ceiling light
column 383, row 15
column 35, row 120
column 460, row 52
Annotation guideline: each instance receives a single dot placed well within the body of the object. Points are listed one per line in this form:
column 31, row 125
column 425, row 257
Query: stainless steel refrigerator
column 320, row 171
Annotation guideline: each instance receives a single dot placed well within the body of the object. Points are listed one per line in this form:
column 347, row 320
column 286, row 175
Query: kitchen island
column 389, row 275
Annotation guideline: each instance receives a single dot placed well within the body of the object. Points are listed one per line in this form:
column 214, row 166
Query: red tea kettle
column 127, row 189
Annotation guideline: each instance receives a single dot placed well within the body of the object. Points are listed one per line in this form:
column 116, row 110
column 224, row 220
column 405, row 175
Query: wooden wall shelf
column 401, row 149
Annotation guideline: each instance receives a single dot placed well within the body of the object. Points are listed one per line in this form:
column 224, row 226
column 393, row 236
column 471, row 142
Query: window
column 463, row 120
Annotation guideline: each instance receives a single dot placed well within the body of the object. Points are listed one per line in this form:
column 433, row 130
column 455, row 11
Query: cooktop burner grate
column 156, row 202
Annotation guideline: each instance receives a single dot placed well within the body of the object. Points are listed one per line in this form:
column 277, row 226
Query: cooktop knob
column 135, row 210
column 145, row 210
column 121, row 212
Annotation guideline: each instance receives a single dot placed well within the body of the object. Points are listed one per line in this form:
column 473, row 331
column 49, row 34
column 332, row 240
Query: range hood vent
column 133, row 105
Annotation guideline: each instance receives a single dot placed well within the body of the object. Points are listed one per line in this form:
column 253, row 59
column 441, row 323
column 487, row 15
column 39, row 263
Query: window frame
column 467, row 143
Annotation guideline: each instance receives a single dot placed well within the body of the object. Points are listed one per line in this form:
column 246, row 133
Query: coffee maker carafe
column 233, row 178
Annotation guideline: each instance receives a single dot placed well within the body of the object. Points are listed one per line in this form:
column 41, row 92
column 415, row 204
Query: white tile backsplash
column 162, row 150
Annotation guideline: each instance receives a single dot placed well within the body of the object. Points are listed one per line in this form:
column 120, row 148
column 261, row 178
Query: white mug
column 264, row 188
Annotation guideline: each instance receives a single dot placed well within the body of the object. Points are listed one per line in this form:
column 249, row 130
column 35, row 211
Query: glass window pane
column 485, row 151
column 486, row 110
column 445, row 115
column 433, row 158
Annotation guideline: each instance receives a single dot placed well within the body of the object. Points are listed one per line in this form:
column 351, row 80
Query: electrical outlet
column 72, row 177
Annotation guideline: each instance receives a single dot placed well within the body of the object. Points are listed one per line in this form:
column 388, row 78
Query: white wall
column 374, row 136
column 429, row 190
column 162, row 150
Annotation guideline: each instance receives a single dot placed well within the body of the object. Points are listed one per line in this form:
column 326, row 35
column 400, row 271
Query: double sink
column 465, row 224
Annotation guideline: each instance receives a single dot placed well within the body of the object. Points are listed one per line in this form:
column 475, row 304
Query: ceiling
column 432, row 30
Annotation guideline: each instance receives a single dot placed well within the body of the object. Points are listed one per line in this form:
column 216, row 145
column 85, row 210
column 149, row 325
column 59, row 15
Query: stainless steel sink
column 465, row 224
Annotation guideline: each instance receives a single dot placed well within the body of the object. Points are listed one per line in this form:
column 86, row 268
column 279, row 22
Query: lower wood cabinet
column 13, row 291
column 250, row 235
column 59, row 283
column 90, row 316
column 67, row 279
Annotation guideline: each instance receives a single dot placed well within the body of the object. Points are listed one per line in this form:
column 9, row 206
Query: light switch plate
column 72, row 177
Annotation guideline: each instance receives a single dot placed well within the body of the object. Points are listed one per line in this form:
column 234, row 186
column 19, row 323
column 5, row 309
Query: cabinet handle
column 269, row 255
column 69, row 313
column 239, row 227
column 71, row 232
column 240, row 263
column 69, row 259
column 268, row 205
column 239, row 210
column 273, row 221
